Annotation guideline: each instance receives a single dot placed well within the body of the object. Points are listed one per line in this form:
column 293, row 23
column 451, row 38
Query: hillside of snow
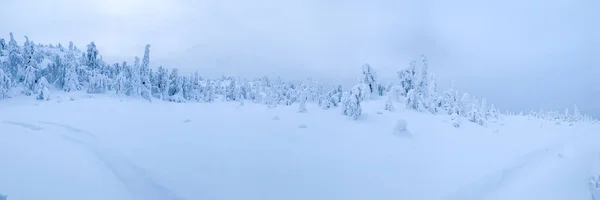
column 75, row 127
column 81, row 146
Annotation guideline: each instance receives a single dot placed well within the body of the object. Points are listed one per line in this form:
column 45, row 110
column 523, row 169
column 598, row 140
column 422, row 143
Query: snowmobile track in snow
column 24, row 125
column 69, row 128
column 136, row 180
column 491, row 182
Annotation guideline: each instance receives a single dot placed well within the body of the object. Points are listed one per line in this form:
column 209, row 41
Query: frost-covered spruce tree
column 3, row 45
column 336, row 97
column 163, row 83
column 434, row 100
column 363, row 91
column 414, row 100
column 352, row 105
column 408, row 78
column 15, row 59
column 30, row 67
column 145, row 84
column 475, row 114
column 91, row 57
column 368, row 77
column 5, row 84
column 577, row 117
column 302, row 101
column 389, row 104
column 176, row 87
column 53, row 72
column 98, row 83
column 494, row 114
column 325, row 101
column 120, row 83
column 69, row 69
column 456, row 120
column 42, row 91
column 450, row 100
column 484, row 110
column 465, row 105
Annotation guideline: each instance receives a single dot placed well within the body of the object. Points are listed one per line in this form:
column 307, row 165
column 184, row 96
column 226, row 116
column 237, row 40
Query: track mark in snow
column 493, row 181
column 70, row 128
column 24, row 125
column 135, row 179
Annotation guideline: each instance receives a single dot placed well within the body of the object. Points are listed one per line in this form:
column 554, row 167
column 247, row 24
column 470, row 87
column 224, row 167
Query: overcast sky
column 518, row 54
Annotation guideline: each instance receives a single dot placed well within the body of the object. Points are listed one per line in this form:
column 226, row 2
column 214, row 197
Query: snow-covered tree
column 99, row 83
column 302, row 103
column 91, row 56
column 389, row 104
column 5, row 84
column 15, row 59
column 465, row 105
column 42, row 91
column 31, row 68
column 369, row 78
column 408, row 78
column 3, row 45
column 69, row 69
column 325, row 101
column 352, row 103
column 433, row 101
column 456, row 120
column 145, row 84
column 176, row 87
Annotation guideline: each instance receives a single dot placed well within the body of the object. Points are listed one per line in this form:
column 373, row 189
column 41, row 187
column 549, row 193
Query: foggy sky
column 517, row 54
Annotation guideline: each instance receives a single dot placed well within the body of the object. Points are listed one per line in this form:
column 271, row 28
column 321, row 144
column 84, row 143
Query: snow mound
column 400, row 129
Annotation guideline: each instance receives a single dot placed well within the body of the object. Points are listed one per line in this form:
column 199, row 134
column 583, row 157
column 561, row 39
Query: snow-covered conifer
column 465, row 105
column 407, row 78
column 368, row 77
column 3, row 45
column 302, row 101
column 325, row 101
column 15, row 59
column 352, row 106
column 176, row 87
column 456, row 120
column 91, row 56
column 389, row 104
column 69, row 70
column 42, row 91
column 30, row 67
column 98, row 83
column 412, row 100
column 5, row 84
column 145, row 86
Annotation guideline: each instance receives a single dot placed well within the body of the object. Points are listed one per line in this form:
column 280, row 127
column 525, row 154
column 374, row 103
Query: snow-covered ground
column 101, row 147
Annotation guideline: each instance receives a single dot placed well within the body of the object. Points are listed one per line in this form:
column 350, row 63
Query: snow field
column 125, row 148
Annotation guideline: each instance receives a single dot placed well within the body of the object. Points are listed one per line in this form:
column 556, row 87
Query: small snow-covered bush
column 302, row 126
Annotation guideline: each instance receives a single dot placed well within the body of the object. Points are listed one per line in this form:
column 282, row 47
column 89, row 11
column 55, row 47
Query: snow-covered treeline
column 35, row 69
